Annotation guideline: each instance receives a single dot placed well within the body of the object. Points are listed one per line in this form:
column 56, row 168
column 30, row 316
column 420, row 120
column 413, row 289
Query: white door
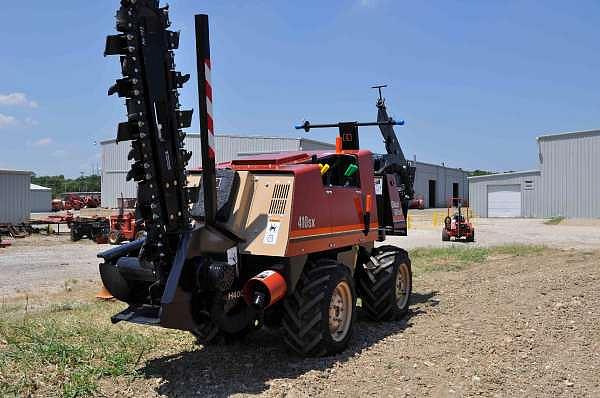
column 504, row 200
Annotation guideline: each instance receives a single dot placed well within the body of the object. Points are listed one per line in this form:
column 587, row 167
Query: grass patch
column 65, row 349
column 456, row 258
column 554, row 220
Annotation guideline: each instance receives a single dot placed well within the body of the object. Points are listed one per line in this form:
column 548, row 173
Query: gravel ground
column 579, row 234
column 512, row 326
column 45, row 263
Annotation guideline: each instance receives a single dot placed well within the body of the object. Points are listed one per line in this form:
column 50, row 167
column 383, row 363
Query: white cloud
column 368, row 3
column 6, row 121
column 43, row 142
column 31, row 122
column 17, row 99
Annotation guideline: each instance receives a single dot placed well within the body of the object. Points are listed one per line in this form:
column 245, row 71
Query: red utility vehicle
column 457, row 224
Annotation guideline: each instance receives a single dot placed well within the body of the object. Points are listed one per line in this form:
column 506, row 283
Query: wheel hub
column 340, row 311
column 402, row 286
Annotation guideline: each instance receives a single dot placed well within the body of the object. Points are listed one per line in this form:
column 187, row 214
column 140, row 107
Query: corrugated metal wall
column 312, row 145
column 41, row 200
column 115, row 165
column 530, row 191
column 570, row 165
column 444, row 178
column 567, row 184
column 15, row 196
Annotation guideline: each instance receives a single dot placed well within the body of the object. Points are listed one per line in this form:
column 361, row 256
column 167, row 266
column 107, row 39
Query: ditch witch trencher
column 282, row 239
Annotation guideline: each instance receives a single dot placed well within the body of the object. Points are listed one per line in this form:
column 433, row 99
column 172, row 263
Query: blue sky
column 476, row 81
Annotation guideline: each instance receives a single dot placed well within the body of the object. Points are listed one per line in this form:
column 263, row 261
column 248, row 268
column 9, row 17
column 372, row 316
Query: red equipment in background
column 457, row 224
column 123, row 227
column 418, row 202
column 57, row 205
column 75, row 202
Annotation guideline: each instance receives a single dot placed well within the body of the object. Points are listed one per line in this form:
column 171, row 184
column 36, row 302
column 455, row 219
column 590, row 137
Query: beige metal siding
column 15, row 196
column 570, row 166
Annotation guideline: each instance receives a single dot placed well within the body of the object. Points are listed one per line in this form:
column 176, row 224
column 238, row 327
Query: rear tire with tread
column 306, row 319
column 378, row 287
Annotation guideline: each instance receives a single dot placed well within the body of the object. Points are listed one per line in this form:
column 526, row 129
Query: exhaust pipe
column 265, row 289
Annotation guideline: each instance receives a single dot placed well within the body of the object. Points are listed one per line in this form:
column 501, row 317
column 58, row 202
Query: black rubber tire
column 207, row 333
column 377, row 287
column 75, row 236
column 210, row 335
column 306, row 311
column 472, row 237
column 445, row 236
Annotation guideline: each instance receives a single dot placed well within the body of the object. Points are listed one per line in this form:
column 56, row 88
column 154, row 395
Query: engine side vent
column 279, row 199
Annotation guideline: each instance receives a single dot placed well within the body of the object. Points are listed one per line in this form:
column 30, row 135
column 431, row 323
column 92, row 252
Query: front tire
column 445, row 235
column 75, row 234
column 472, row 237
column 386, row 287
column 319, row 316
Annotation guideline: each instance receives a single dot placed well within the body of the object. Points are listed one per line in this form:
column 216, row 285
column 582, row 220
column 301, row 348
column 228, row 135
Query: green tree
column 59, row 184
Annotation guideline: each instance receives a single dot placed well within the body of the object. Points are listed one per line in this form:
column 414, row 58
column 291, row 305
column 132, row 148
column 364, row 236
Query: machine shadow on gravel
column 247, row 366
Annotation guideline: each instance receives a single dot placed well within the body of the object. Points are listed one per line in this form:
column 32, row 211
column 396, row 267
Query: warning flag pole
column 207, row 133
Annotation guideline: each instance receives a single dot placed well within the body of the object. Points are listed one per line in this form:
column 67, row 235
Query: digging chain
column 150, row 87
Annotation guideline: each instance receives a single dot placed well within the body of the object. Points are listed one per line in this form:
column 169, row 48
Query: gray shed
column 15, row 196
column 438, row 183
column 567, row 183
column 41, row 198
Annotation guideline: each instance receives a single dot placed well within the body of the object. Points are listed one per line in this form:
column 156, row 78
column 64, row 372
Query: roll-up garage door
column 504, row 200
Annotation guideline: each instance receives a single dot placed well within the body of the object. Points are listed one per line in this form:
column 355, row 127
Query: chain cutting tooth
column 179, row 78
column 184, row 118
column 173, row 39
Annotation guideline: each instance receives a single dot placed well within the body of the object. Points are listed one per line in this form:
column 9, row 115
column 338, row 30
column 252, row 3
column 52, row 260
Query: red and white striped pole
column 207, row 132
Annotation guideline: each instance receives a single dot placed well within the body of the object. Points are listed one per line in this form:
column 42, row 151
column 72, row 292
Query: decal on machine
column 271, row 233
column 378, row 186
column 305, row 222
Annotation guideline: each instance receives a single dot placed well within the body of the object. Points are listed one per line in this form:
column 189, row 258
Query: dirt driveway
column 512, row 326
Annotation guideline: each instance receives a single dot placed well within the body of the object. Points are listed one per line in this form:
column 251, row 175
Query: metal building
column 41, row 198
column 437, row 183
column 15, row 196
column 115, row 164
column 567, row 183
